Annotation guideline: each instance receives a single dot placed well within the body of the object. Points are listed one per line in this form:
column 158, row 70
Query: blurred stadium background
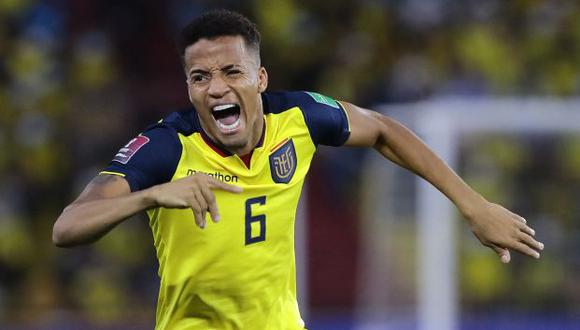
column 80, row 78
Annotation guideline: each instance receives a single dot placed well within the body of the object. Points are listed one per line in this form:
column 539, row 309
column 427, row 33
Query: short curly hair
column 218, row 23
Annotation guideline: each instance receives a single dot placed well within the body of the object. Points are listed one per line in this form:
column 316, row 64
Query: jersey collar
column 220, row 150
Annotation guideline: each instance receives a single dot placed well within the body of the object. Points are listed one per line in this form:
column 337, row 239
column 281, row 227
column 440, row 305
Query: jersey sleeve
column 326, row 119
column 149, row 159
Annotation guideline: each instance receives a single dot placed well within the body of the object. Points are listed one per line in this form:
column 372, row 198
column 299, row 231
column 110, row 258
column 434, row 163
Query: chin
column 233, row 141
column 235, row 144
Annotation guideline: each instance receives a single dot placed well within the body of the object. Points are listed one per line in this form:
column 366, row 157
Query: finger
column 504, row 254
column 216, row 184
column 196, row 213
column 519, row 218
column 202, row 206
column 523, row 227
column 531, row 242
column 211, row 204
column 200, row 198
column 529, row 231
column 523, row 248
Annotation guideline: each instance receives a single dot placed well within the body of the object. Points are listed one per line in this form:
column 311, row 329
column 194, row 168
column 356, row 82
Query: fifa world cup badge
column 125, row 154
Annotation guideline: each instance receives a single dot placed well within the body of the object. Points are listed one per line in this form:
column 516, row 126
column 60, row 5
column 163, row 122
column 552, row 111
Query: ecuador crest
column 283, row 162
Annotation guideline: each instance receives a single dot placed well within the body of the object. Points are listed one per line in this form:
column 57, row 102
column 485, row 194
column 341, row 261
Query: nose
column 217, row 87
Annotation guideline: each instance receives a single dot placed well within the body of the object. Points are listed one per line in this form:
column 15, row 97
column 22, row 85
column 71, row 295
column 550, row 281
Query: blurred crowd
column 80, row 78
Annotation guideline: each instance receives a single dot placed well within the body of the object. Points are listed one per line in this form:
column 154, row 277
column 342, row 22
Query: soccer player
column 238, row 158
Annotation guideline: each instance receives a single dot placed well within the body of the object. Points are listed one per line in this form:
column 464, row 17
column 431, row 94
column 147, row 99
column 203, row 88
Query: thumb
column 504, row 254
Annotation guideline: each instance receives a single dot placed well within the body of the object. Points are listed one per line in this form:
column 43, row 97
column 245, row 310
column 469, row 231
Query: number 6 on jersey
column 260, row 218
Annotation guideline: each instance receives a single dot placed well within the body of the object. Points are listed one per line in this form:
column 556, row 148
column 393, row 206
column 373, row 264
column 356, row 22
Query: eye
column 233, row 72
column 197, row 78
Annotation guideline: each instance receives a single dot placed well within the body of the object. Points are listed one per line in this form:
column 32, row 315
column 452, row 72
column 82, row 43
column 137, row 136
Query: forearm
column 494, row 226
column 86, row 221
column 400, row 145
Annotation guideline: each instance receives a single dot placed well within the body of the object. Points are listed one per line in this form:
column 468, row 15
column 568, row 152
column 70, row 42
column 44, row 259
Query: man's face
column 224, row 82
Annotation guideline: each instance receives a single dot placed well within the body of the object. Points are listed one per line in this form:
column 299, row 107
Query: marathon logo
column 283, row 162
column 216, row 175
column 125, row 154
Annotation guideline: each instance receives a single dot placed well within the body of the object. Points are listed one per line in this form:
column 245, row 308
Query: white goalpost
column 433, row 298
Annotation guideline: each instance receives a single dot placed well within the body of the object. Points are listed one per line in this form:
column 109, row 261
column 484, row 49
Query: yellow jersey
column 238, row 273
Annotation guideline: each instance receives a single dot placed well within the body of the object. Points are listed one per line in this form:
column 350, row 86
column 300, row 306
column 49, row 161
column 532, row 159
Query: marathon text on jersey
column 216, row 175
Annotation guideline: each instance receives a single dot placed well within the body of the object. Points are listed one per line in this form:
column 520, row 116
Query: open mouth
column 227, row 117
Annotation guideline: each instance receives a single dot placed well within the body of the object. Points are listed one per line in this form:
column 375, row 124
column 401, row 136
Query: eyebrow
column 204, row 72
column 200, row 71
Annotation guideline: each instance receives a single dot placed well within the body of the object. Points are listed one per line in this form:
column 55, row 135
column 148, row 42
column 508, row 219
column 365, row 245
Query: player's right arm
column 107, row 201
column 138, row 178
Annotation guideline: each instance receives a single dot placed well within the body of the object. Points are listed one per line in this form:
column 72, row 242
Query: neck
column 255, row 136
column 255, row 132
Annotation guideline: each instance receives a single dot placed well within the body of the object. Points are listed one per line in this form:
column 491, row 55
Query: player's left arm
column 494, row 226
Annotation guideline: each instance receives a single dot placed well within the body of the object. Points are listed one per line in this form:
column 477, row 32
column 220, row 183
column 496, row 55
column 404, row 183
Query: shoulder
column 152, row 156
column 277, row 102
column 163, row 136
column 184, row 122
column 325, row 118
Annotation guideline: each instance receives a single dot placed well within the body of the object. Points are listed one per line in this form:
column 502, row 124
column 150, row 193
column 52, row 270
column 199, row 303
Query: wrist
column 471, row 204
column 149, row 197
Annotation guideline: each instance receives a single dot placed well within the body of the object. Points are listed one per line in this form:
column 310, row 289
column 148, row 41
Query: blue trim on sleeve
column 156, row 161
column 327, row 122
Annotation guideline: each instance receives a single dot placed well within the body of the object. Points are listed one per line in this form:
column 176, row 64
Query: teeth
column 229, row 127
column 223, row 107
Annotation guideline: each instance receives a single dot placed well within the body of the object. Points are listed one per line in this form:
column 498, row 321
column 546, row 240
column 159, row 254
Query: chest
column 281, row 160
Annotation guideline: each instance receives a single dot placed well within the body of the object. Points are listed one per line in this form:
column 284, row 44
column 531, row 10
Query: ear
column 189, row 93
column 262, row 79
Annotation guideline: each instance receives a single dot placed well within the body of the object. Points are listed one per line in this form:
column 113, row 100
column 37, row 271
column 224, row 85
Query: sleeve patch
column 125, row 153
column 323, row 99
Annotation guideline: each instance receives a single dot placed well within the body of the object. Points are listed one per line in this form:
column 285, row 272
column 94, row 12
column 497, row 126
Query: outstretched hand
column 501, row 230
column 195, row 192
